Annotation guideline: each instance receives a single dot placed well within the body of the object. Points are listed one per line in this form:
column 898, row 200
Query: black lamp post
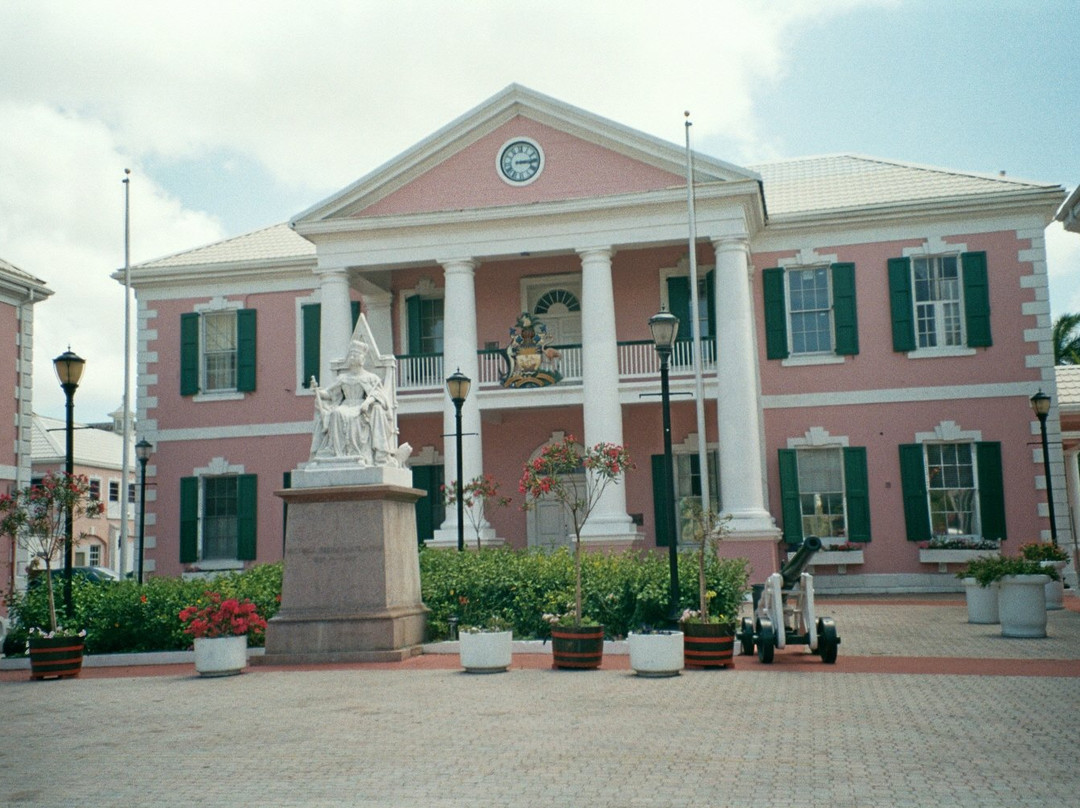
column 69, row 368
column 664, row 327
column 143, row 450
column 1040, row 402
column 458, row 386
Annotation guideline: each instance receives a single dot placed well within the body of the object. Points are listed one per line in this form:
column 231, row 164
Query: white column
column 335, row 320
column 459, row 353
column 742, row 440
column 1072, row 490
column 600, row 380
column 377, row 311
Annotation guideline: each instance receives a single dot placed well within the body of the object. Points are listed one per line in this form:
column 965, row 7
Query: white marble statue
column 355, row 417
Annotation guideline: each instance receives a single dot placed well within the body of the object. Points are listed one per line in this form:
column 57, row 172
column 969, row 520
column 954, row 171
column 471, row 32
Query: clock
column 520, row 161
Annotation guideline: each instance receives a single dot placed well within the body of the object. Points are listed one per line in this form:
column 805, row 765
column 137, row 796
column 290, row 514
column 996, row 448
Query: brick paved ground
column 797, row 733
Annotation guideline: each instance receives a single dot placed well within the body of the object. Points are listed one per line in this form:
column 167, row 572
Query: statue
column 355, row 417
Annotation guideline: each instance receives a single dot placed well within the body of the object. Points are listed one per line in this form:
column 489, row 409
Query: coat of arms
column 532, row 361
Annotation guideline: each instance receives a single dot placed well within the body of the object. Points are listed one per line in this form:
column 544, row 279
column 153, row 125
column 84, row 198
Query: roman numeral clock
column 520, row 161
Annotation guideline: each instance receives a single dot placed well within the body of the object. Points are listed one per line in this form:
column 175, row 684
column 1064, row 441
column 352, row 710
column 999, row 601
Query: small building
column 19, row 293
column 871, row 332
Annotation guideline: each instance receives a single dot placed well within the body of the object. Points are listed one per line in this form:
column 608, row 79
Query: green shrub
column 126, row 617
column 623, row 591
column 988, row 569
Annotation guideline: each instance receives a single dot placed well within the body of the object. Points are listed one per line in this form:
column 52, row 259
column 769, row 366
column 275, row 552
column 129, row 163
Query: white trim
column 937, row 353
column 949, row 432
column 898, row 395
column 817, row 437
column 802, row 360
column 427, row 456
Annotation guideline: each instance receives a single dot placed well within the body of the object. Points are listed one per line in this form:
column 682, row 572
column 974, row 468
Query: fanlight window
column 554, row 298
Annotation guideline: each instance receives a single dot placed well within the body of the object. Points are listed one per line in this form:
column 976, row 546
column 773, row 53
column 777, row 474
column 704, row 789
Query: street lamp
column 457, row 385
column 69, row 368
column 1040, row 402
column 665, row 327
column 143, row 450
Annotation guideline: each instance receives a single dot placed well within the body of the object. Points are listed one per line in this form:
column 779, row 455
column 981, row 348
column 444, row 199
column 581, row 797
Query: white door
column 549, row 524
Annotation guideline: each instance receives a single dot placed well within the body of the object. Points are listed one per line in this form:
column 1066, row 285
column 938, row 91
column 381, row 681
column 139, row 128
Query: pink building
column 871, row 332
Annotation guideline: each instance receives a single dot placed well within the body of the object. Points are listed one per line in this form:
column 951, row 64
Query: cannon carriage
column 784, row 612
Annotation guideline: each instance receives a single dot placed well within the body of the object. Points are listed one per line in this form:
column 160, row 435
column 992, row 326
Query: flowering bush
column 946, row 543
column 704, row 528
column 554, row 474
column 214, row 616
column 1043, row 551
column 483, row 489
column 35, row 518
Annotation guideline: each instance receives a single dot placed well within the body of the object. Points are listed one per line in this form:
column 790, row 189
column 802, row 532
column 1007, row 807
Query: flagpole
column 125, row 462
column 699, row 386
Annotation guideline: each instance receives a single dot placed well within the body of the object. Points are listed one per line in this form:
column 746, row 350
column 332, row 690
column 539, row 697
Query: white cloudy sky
column 236, row 115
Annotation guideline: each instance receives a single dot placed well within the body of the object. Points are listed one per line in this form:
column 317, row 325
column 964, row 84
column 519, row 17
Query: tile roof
column 10, row 269
column 1068, row 386
column 841, row 181
column 93, row 447
column 276, row 242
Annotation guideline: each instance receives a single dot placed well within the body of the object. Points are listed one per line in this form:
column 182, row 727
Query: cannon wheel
column 827, row 640
column 766, row 640
column 746, row 635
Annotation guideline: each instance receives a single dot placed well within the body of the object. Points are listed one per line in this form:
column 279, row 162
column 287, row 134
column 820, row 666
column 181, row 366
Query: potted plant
column 1049, row 555
column 487, row 648
column 656, row 652
column 220, row 627
column 576, row 641
column 35, row 517
column 480, row 489
column 709, row 635
column 981, row 584
column 1021, row 593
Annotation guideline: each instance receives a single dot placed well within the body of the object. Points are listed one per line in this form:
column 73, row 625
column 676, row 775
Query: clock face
column 520, row 161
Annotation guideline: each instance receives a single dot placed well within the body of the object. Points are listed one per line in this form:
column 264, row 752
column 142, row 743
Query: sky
column 237, row 115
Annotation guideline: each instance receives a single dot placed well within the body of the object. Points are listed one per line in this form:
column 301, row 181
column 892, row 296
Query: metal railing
column 637, row 359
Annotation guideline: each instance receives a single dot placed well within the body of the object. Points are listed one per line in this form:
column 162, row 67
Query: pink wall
column 573, row 168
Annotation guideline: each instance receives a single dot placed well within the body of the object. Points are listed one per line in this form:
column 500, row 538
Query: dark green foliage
column 126, row 617
column 622, row 591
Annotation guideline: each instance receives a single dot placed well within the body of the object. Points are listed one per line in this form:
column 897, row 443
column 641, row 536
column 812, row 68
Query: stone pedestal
column 351, row 588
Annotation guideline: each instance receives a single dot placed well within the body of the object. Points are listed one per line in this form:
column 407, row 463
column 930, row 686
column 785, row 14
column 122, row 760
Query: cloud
column 1063, row 267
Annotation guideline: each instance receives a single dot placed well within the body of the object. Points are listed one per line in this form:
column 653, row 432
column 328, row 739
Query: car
column 95, row 575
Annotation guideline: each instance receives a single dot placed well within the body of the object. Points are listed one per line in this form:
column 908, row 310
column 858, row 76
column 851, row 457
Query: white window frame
column 789, row 312
column 936, row 247
column 948, row 432
column 219, row 467
column 819, row 438
column 215, row 306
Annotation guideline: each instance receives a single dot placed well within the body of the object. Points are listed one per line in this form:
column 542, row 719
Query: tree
column 1067, row 339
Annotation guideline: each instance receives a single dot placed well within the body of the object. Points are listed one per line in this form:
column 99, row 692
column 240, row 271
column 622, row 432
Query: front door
column 549, row 524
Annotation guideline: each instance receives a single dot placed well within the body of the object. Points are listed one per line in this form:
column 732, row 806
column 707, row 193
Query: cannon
column 784, row 612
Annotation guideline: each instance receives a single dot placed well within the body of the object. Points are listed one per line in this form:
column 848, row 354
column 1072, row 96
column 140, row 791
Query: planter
column 1055, row 590
column 708, row 645
column 1022, row 605
column 55, row 657
column 840, row 559
column 945, row 557
column 982, row 601
column 658, row 654
column 577, row 648
column 220, row 656
column 485, row 651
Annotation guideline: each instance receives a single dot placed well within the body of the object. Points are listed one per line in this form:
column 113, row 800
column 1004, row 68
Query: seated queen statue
column 355, row 418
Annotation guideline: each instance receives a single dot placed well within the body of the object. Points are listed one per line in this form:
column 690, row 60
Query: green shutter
column 189, row 354
column 913, row 484
column 772, row 288
column 189, row 520
column 430, row 510
column 355, row 308
column 286, row 482
column 678, row 297
column 245, row 350
column 311, row 316
column 844, row 315
column 976, row 299
column 900, row 302
column 790, row 508
column 661, row 505
column 710, row 297
column 991, row 490
column 415, row 332
column 246, row 509
column 856, row 493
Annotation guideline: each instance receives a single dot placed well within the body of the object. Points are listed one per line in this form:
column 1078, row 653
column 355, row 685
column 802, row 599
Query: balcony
column 425, row 373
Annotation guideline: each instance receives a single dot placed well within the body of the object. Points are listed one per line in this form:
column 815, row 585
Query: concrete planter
column 485, row 651
column 1055, row 590
column 982, row 601
column 658, row 654
column 220, row 656
column 1022, row 605
column 945, row 557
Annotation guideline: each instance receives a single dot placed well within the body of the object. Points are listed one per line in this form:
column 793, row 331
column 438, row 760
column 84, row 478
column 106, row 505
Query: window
column 940, row 302
column 311, row 333
column 131, row 492
column 114, row 490
column 953, row 489
column 810, row 310
column 95, row 489
column 425, row 324
column 217, row 518
column 824, row 492
column 95, row 555
column 217, row 351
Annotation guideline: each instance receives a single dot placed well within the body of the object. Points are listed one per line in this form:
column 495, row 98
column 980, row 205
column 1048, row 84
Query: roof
column 11, row 275
column 1069, row 212
column 1068, row 386
column 93, row 447
column 843, row 181
column 276, row 242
